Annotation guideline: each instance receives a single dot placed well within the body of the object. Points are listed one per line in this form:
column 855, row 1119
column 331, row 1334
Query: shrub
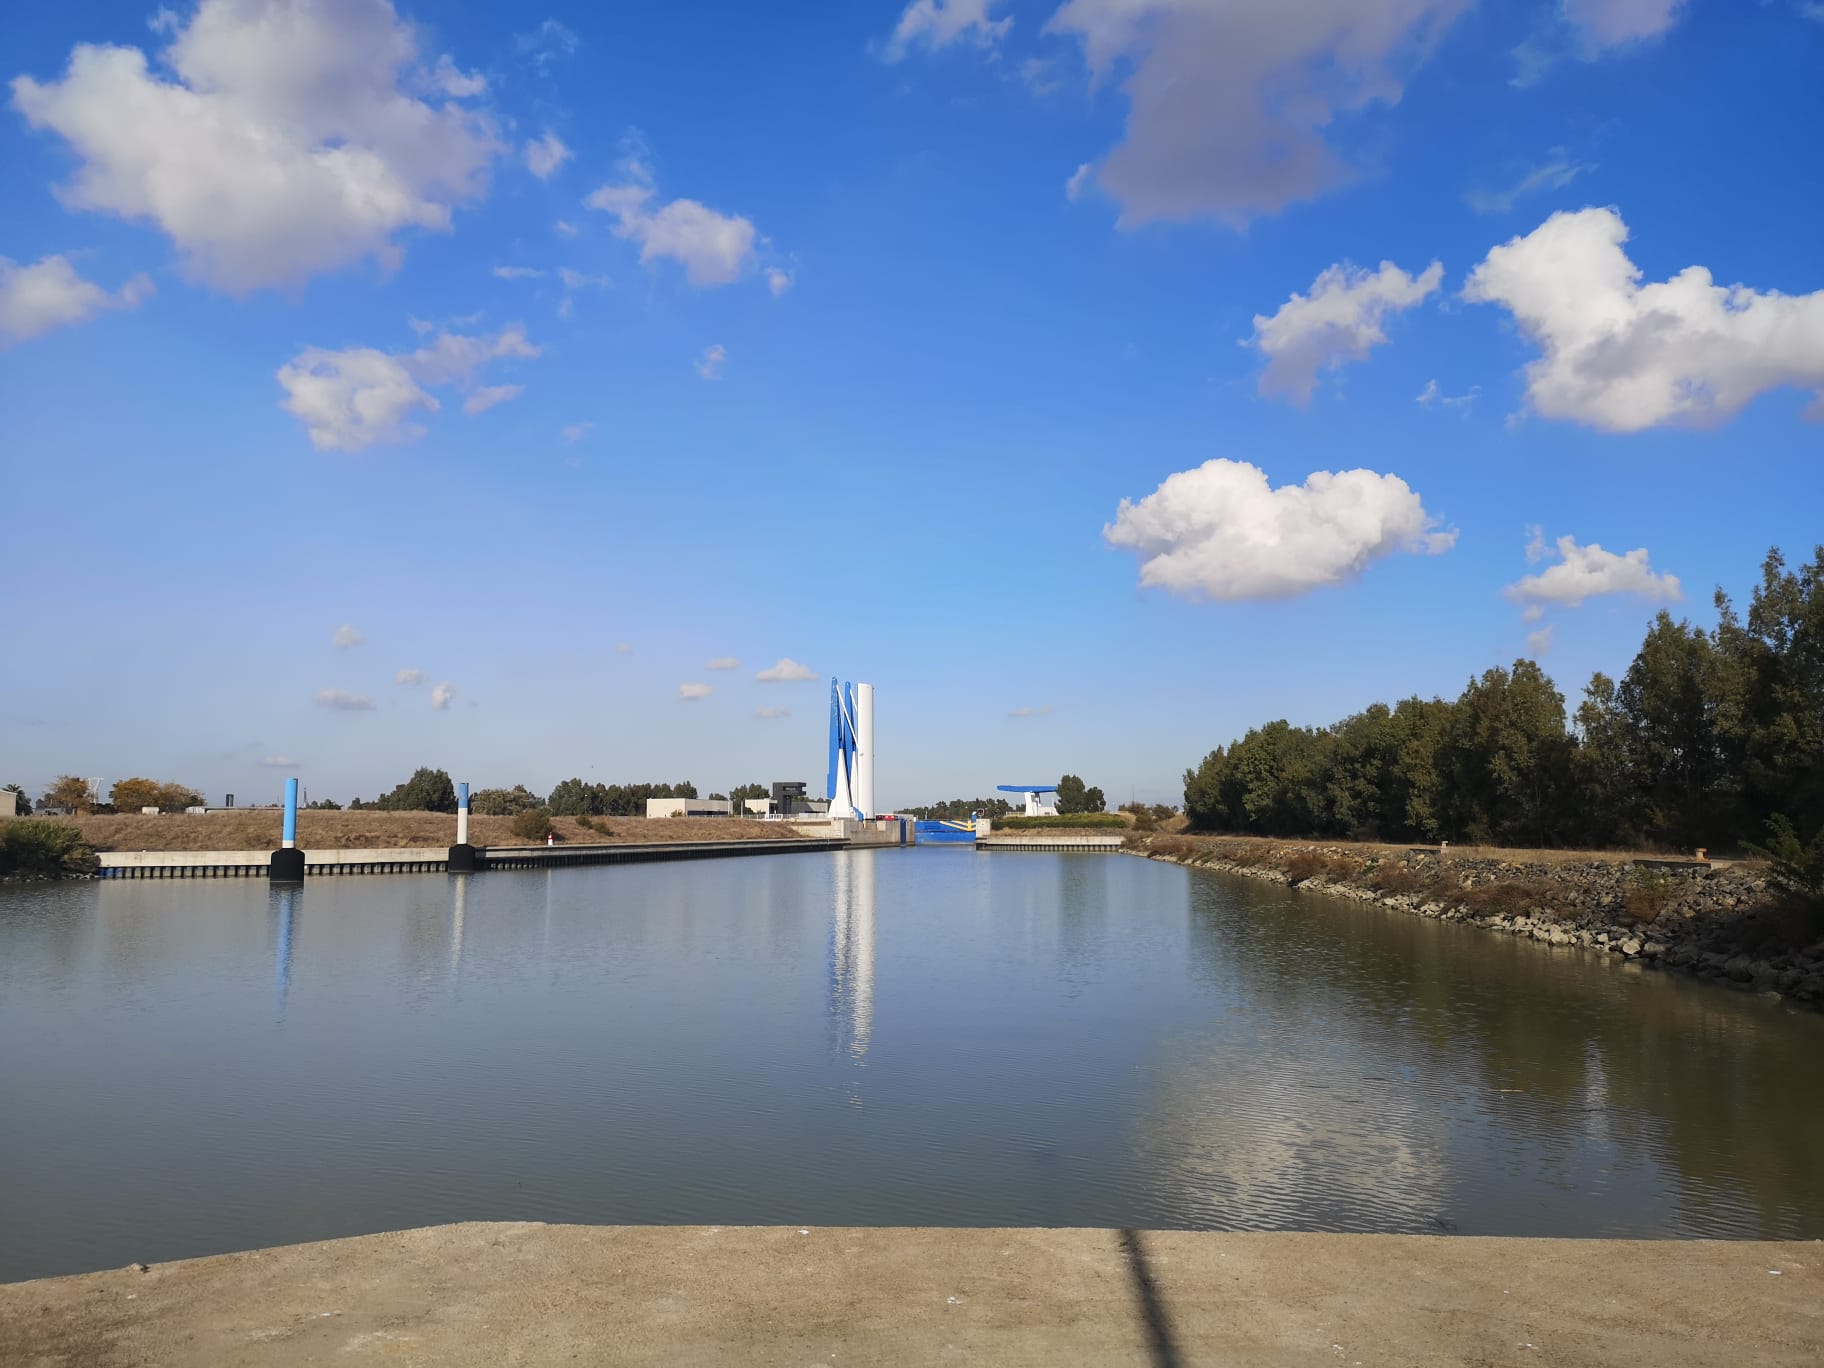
column 1075, row 821
column 1795, row 868
column 40, row 849
column 1502, row 899
column 1306, row 864
column 1343, row 868
column 1392, row 876
column 534, row 824
column 1145, row 821
column 1651, row 892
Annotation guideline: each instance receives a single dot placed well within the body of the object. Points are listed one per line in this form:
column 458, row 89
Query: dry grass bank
column 1374, row 850
column 258, row 829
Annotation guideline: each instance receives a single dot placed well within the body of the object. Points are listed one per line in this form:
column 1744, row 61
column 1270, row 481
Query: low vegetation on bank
column 1711, row 739
column 1086, row 821
column 39, row 848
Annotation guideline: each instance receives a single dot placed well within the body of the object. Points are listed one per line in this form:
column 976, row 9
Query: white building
column 688, row 807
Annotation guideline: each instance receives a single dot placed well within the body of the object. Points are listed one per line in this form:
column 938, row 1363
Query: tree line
column 1711, row 738
column 1074, row 796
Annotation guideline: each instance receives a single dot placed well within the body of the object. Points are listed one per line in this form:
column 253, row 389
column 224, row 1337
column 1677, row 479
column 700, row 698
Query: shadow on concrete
column 1158, row 1324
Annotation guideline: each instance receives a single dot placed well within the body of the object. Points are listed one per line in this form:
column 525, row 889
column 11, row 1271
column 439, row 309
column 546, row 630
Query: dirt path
column 536, row 1294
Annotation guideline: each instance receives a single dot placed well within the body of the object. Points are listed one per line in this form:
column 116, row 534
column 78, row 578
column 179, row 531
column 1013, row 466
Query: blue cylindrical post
column 291, row 815
column 462, row 854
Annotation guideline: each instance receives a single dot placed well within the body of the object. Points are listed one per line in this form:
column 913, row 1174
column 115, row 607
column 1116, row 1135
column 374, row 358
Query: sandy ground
column 258, row 829
column 536, row 1294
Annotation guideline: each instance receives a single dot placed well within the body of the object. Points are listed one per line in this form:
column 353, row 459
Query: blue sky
column 851, row 330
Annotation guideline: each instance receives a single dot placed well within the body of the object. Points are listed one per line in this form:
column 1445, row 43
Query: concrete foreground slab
column 540, row 1294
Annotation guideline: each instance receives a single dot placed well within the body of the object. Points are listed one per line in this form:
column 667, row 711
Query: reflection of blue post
column 288, row 898
column 288, row 861
column 291, row 815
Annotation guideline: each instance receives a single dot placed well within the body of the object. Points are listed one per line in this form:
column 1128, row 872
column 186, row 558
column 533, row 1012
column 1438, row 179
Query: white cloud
column 518, row 273
column 784, row 671
column 50, row 294
column 420, row 326
column 546, row 44
column 1222, row 532
column 354, row 398
column 279, row 762
column 1539, row 642
column 690, row 692
column 1079, row 179
column 345, row 637
column 778, row 281
column 769, row 714
column 285, row 146
column 576, row 280
column 449, row 79
column 443, row 695
column 344, row 701
column 1042, row 711
column 575, row 432
column 1339, row 321
column 411, row 677
column 1586, row 572
column 709, row 365
column 1623, row 356
column 483, row 399
column 724, row 663
column 1555, row 174
column 934, row 24
column 565, row 228
column 543, row 156
column 1608, row 24
column 713, row 248
column 1431, row 394
column 1229, row 102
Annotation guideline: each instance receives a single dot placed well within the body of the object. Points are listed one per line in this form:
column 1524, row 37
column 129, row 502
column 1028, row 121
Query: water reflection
column 285, row 905
column 852, row 949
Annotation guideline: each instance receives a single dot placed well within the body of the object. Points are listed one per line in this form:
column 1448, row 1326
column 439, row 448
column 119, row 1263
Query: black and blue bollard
column 288, row 861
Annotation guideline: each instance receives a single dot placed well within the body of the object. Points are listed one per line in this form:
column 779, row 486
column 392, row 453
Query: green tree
column 1075, row 796
column 130, row 795
column 500, row 802
column 574, row 798
column 1608, row 791
column 1669, row 702
column 428, row 790
column 1506, row 757
column 326, row 804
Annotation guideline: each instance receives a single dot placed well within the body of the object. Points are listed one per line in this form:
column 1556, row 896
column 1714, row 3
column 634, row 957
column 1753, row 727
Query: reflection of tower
column 459, row 906
column 852, row 948
column 288, row 908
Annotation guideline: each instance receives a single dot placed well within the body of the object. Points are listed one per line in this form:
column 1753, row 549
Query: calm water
column 916, row 1037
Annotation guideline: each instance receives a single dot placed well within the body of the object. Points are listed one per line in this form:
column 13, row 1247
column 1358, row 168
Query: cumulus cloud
column 575, row 432
column 1606, row 24
column 286, row 143
column 543, row 156
column 713, row 248
column 1222, row 532
column 483, row 399
column 443, row 695
column 345, row 637
column 778, row 281
column 1622, row 356
column 709, row 365
column 934, row 24
column 50, row 294
column 279, row 762
column 354, row 398
column 1554, row 174
column 411, row 677
column 769, row 714
column 1339, row 321
column 344, row 701
column 451, row 80
column 690, row 692
column 1587, row 572
column 1228, row 103
column 784, row 671
column 1540, row 642
column 724, row 663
